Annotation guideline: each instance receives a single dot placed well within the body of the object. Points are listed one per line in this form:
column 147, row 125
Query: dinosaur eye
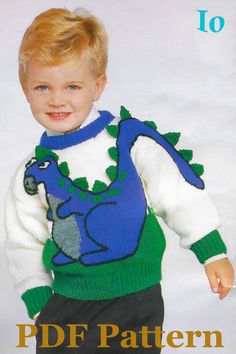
column 30, row 162
column 44, row 164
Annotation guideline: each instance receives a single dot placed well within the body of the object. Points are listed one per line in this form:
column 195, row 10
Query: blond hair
column 59, row 36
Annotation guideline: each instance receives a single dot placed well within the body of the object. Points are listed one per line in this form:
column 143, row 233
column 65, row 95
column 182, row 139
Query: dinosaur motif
column 104, row 224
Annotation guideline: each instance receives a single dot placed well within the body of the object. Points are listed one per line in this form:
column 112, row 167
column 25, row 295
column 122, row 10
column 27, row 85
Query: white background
column 162, row 68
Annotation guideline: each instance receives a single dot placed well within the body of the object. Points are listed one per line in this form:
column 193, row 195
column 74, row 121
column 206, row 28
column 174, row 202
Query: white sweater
column 188, row 210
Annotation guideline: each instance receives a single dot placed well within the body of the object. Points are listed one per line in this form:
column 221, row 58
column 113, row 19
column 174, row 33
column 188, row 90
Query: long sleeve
column 187, row 210
column 26, row 231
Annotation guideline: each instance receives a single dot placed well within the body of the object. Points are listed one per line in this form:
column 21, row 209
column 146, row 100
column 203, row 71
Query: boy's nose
column 56, row 99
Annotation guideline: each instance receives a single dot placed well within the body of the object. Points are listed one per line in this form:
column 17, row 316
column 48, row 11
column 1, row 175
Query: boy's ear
column 100, row 85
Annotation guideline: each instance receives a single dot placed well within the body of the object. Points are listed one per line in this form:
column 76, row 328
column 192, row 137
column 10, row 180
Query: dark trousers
column 113, row 326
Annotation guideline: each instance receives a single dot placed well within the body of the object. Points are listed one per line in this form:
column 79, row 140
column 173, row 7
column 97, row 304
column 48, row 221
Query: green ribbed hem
column 36, row 298
column 73, row 286
column 209, row 246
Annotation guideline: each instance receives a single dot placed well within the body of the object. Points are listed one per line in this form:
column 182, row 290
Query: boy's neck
column 91, row 117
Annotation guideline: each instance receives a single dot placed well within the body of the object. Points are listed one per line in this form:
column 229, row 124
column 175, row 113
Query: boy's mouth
column 58, row 115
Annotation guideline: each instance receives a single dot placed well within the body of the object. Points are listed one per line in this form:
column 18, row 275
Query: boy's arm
column 187, row 210
column 26, row 230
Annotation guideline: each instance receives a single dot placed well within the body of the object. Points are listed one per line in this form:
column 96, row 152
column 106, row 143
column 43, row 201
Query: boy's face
column 61, row 97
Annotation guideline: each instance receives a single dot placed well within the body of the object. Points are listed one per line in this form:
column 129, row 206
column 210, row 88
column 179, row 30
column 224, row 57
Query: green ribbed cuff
column 208, row 246
column 36, row 298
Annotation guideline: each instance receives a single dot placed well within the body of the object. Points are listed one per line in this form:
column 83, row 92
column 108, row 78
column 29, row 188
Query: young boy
column 83, row 242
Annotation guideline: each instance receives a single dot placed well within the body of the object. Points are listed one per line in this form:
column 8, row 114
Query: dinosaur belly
column 65, row 232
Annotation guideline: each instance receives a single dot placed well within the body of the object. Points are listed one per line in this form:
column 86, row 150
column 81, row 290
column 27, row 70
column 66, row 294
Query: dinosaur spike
column 63, row 167
column 81, row 182
column 198, row 168
column 111, row 171
column 41, row 152
column 124, row 113
column 113, row 153
column 113, row 191
column 151, row 124
column 172, row 137
column 122, row 175
column 99, row 186
column 113, row 130
column 186, row 154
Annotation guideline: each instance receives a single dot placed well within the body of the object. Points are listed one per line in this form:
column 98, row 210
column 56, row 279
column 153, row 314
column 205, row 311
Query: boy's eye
column 41, row 88
column 73, row 87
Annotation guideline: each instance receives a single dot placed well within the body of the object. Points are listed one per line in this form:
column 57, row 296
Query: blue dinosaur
column 95, row 228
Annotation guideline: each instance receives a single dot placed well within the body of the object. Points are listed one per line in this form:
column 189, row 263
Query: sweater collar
column 92, row 126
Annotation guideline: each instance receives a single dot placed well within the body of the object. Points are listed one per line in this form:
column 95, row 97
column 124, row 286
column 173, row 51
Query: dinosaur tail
column 131, row 129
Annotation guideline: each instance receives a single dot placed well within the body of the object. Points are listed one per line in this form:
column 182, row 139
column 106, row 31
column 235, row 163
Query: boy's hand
column 220, row 274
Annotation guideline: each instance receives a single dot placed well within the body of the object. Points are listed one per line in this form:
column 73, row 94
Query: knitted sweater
column 81, row 212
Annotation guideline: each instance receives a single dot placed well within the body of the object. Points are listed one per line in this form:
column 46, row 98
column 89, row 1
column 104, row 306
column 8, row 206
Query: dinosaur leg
column 117, row 238
column 88, row 245
column 103, row 256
